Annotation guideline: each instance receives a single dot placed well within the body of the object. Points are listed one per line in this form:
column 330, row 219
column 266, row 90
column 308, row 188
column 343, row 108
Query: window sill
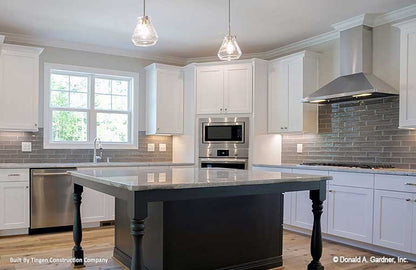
column 90, row 146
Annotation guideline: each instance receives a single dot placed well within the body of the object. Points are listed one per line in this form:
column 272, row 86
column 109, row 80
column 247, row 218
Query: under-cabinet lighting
column 362, row 95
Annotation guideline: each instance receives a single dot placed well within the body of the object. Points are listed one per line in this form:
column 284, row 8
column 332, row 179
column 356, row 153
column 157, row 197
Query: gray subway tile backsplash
column 10, row 150
column 358, row 131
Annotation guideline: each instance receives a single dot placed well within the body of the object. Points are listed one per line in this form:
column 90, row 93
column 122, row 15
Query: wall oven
column 223, row 142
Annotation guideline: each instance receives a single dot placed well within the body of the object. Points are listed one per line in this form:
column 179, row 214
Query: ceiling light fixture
column 229, row 49
column 144, row 34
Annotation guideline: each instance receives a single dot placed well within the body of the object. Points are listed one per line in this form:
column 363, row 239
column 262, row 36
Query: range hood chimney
column 357, row 80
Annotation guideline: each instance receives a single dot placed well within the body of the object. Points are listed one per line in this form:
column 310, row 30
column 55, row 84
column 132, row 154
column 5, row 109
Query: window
column 84, row 103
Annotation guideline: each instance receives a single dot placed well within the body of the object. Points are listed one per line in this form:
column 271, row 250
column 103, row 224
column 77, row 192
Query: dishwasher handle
column 50, row 174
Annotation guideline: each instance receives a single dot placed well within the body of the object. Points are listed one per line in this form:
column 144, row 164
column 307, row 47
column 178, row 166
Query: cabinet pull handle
column 14, row 174
column 331, row 191
column 408, row 200
column 410, row 184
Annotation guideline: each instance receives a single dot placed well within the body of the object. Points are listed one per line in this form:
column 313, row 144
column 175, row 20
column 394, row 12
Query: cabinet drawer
column 395, row 182
column 12, row 175
column 363, row 180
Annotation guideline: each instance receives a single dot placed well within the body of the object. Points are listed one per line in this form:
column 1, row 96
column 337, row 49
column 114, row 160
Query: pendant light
column 144, row 34
column 229, row 49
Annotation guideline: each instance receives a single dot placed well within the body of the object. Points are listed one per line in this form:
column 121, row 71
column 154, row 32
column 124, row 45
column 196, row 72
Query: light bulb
column 144, row 34
column 229, row 49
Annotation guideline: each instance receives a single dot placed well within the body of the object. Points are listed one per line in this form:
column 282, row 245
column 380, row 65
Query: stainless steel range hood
column 357, row 80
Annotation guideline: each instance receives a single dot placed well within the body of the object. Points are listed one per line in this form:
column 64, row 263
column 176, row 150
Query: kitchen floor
column 98, row 243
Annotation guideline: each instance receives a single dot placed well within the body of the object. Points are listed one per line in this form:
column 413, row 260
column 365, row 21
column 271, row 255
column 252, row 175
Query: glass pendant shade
column 144, row 34
column 229, row 49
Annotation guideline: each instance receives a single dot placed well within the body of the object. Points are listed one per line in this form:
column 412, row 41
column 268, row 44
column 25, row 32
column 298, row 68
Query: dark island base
column 206, row 234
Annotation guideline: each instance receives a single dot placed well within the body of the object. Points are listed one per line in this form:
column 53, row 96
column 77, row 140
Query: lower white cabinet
column 350, row 212
column 14, row 205
column 96, row 206
column 301, row 207
column 393, row 222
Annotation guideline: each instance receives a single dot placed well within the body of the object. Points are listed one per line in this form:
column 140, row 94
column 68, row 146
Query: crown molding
column 371, row 20
column 27, row 39
column 395, row 15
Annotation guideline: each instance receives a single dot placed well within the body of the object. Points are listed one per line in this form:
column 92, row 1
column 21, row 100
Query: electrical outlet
column 299, row 148
column 162, row 177
column 150, row 147
column 150, row 177
column 26, row 147
column 162, row 147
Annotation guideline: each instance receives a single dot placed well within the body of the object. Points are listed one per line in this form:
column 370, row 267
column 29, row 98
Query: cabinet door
column 19, row 92
column 238, row 88
column 408, row 77
column 14, row 205
column 295, row 90
column 169, row 102
column 301, row 215
column 350, row 213
column 393, row 220
column 93, row 206
column 278, row 97
column 210, row 90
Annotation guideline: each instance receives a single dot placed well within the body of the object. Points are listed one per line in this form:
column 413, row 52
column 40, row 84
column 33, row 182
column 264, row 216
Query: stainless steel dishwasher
column 51, row 201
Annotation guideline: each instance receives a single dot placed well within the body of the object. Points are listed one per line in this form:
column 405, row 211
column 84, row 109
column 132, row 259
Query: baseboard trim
column 262, row 264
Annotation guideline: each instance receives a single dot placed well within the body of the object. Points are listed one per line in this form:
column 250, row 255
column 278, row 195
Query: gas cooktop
column 351, row 165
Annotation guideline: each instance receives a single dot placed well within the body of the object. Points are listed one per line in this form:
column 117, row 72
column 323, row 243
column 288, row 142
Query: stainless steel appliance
column 51, row 201
column 357, row 80
column 224, row 142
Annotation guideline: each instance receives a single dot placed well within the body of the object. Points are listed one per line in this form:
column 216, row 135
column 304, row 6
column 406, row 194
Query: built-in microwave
column 223, row 137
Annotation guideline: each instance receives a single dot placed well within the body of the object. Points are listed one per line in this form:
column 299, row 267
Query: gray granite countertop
column 393, row 171
column 151, row 178
column 87, row 165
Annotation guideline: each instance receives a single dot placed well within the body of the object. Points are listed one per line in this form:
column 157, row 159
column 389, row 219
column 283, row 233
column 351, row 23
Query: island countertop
column 153, row 178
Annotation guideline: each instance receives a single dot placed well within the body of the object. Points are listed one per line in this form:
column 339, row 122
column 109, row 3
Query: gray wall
column 10, row 150
column 10, row 142
column 358, row 132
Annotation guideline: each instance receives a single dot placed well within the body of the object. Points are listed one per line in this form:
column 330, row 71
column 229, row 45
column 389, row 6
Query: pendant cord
column 229, row 17
column 144, row 8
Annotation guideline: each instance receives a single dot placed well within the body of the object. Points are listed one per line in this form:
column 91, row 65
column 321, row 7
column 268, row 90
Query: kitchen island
column 188, row 218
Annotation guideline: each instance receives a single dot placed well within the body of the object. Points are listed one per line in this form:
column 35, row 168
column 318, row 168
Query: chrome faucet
column 98, row 157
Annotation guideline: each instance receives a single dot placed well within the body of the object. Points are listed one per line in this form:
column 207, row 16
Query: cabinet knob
column 410, row 184
column 331, row 191
column 27, row 186
column 158, row 128
column 408, row 200
column 225, row 109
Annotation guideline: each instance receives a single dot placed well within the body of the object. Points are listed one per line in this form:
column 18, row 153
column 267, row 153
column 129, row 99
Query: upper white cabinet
column 19, row 87
column 164, row 99
column 224, row 88
column 407, row 74
column 290, row 79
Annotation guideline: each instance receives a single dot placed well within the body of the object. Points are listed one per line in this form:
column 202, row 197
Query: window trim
column 133, row 111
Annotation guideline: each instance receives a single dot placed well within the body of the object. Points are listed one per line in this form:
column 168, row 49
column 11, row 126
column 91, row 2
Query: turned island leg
column 77, row 251
column 316, row 239
column 138, row 208
column 137, row 232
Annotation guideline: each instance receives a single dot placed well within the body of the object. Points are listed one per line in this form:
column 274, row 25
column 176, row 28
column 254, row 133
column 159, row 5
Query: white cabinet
column 14, row 199
column 407, row 74
column 301, row 207
column 290, row 79
column 350, row 212
column 393, row 222
column 224, row 88
column 96, row 206
column 19, row 87
column 164, row 86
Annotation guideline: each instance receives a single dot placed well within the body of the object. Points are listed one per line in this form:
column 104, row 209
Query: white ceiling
column 186, row 28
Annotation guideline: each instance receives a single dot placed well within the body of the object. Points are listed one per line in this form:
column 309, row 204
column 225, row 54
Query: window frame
column 91, row 73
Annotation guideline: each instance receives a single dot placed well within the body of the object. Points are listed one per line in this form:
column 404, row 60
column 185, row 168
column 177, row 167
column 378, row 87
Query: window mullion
column 93, row 113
